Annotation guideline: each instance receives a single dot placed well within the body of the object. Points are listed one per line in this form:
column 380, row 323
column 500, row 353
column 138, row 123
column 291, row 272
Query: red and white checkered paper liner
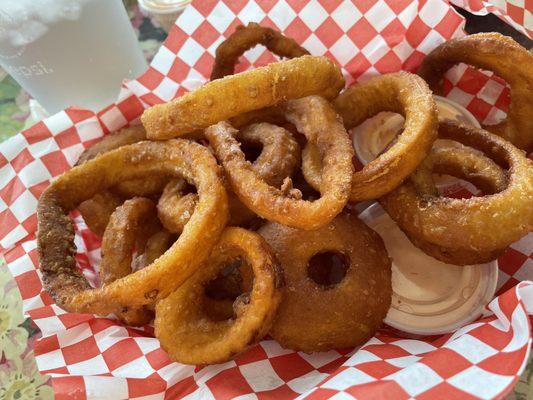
column 93, row 357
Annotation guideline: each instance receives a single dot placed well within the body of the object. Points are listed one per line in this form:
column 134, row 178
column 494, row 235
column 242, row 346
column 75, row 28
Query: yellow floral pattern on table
column 19, row 376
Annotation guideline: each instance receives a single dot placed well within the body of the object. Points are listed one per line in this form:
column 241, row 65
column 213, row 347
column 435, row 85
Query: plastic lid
column 429, row 296
column 377, row 134
column 163, row 6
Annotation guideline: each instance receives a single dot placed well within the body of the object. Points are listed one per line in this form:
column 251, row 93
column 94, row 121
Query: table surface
column 15, row 116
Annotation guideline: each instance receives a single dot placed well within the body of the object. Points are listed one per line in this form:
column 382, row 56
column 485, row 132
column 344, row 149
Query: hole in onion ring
column 327, row 269
column 375, row 136
column 308, row 192
column 488, row 88
column 226, row 292
column 251, row 151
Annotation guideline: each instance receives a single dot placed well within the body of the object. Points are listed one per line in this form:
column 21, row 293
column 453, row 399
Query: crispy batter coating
column 470, row 165
column 246, row 37
column 118, row 244
column 149, row 186
column 233, row 95
column 97, row 210
column 475, row 230
column 464, row 163
column 122, row 137
column 178, row 158
column 399, row 92
column 192, row 337
column 313, row 317
column 174, row 207
column 280, row 153
column 156, row 246
column 315, row 118
column 498, row 53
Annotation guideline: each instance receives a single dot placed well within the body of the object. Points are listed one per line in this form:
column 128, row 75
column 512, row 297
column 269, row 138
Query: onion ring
column 246, row 37
column 468, row 231
column 399, row 92
column 155, row 247
column 149, row 186
column 118, row 244
column 468, row 164
column 55, row 237
column 174, row 207
column 279, row 156
column 233, row 95
column 97, row 210
column 280, row 153
column 464, row 163
column 316, row 119
column 502, row 55
column 189, row 336
column 315, row 317
column 122, row 137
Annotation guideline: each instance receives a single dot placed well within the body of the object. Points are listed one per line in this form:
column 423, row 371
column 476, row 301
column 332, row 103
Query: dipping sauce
column 429, row 296
column 377, row 134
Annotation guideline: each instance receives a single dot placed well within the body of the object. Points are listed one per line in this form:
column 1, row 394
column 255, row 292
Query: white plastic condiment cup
column 164, row 12
column 376, row 134
column 429, row 296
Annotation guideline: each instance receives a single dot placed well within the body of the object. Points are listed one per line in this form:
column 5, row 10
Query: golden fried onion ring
column 280, row 153
column 189, row 336
column 279, row 157
column 470, row 165
column 246, row 37
column 118, row 244
column 97, row 210
column 149, row 186
column 233, row 95
column 505, row 57
column 122, row 137
column 55, row 238
column 467, row 231
column 174, row 207
column 313, row 317
column 315, row 118
column 464, row 163
column 399, row 92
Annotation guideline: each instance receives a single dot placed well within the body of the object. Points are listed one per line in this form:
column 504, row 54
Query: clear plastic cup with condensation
column 69, row 52
column 429, row 296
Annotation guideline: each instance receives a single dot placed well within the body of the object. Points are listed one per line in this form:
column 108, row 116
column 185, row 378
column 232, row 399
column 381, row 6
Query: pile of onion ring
column 177, row 199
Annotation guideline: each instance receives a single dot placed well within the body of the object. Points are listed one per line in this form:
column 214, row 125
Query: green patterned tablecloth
column 19, row 378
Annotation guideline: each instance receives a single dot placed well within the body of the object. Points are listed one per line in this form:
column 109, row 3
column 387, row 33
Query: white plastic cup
column 376, row 134
column 430, row 297
column 69, row 52
column 164, row 12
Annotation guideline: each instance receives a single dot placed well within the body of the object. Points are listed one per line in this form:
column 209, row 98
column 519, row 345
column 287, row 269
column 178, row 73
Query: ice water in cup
column 69, row 52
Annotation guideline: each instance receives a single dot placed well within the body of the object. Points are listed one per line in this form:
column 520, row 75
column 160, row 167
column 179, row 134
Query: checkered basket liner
column 95, row 357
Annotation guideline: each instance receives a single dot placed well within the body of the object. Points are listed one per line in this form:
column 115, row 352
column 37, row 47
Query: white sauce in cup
column 429, row 296
column 374, row 136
